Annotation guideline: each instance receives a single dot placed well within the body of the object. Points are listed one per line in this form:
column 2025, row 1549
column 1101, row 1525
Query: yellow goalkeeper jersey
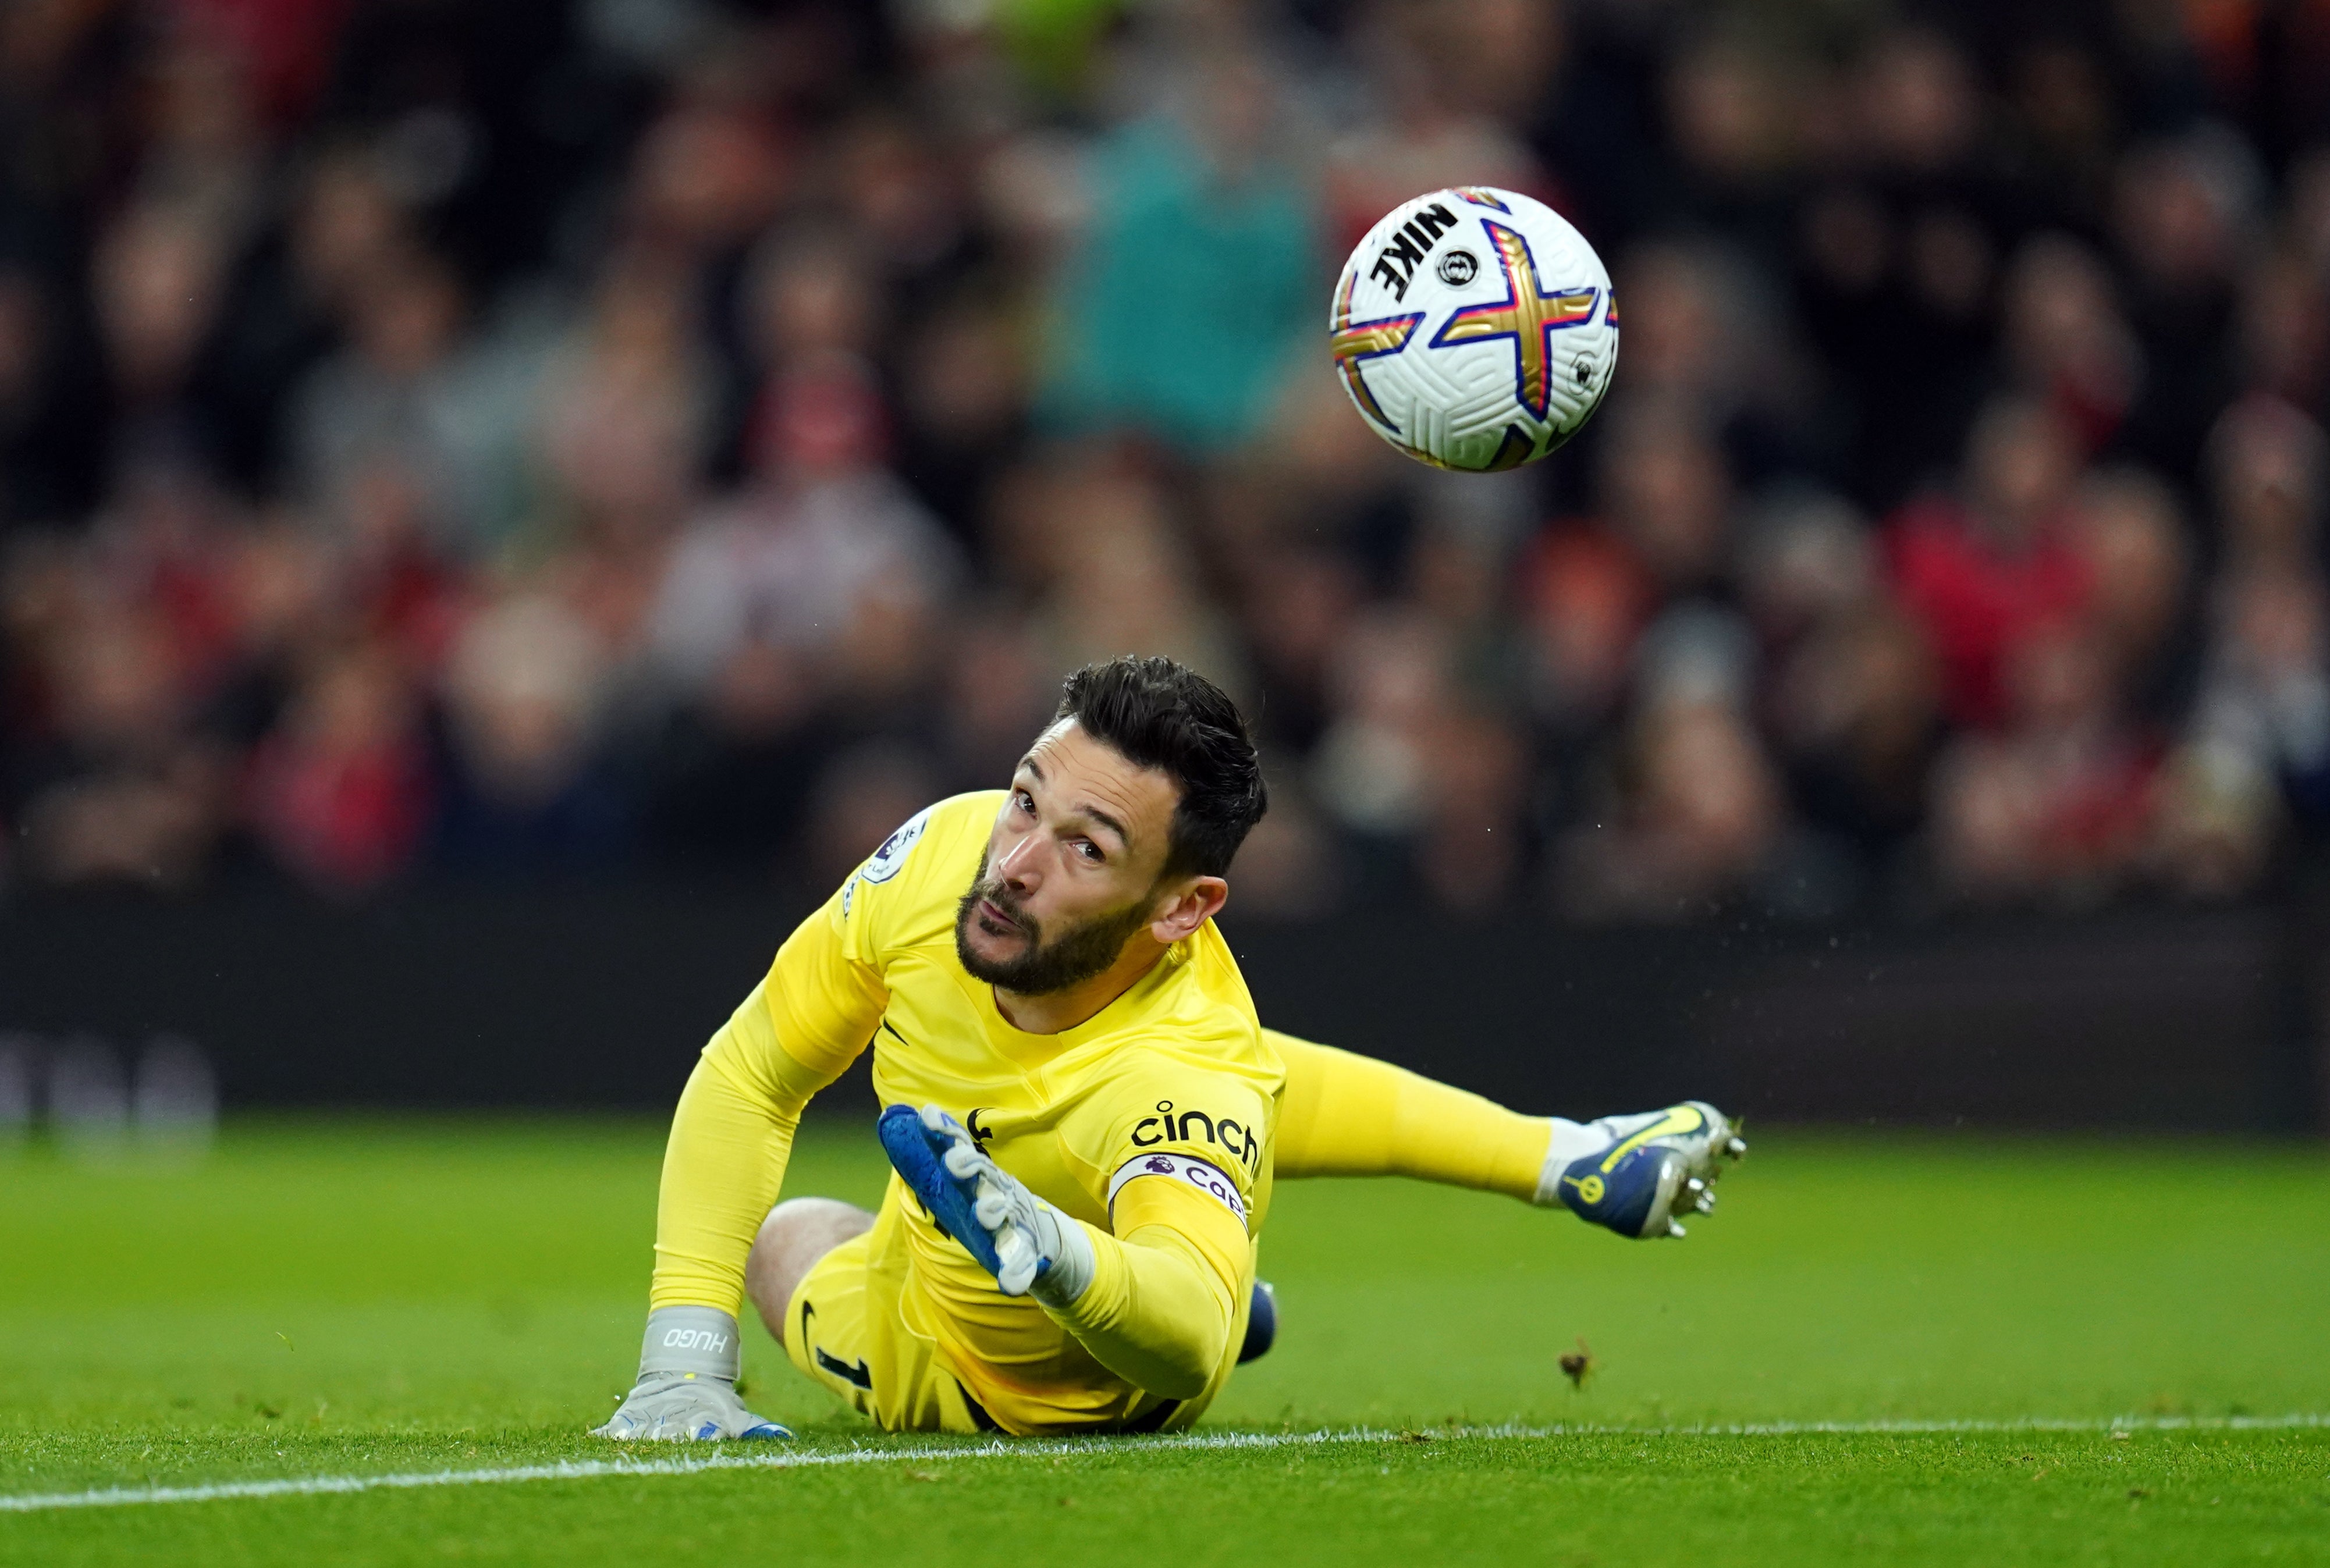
column 1171, row 1081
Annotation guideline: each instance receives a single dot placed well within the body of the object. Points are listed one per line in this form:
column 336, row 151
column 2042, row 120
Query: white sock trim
column 1569, row 1142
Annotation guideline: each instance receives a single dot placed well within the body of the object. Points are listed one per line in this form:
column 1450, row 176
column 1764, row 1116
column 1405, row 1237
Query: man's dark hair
column 1165, row 715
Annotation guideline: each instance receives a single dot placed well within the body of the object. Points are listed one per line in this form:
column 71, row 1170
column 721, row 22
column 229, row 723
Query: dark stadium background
column 501, row 504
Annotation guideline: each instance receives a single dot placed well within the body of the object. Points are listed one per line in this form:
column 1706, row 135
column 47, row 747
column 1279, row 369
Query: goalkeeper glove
column 687, row 1383
column 1031, row 1248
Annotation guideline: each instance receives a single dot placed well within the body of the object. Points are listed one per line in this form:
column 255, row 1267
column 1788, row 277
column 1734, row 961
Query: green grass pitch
column 355, row 1298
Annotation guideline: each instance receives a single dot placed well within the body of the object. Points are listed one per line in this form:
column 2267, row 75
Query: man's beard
column 1070, row 957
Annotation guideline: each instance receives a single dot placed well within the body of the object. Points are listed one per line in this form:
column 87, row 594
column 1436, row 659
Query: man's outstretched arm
column 731, row 1140
column 1346, row 1114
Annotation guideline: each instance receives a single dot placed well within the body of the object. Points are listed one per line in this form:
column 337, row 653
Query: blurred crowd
column 551, row 437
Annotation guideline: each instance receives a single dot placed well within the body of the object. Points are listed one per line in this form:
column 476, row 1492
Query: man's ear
column 1200, row 900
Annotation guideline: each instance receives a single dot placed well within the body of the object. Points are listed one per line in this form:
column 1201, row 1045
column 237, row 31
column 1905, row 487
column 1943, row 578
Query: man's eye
column 1088, row 849
column 1025, row 801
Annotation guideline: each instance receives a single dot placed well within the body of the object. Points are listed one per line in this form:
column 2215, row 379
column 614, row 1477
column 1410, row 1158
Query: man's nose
column 1018, row 867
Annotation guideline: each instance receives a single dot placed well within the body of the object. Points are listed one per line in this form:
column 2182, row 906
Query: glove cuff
column 703, row 1340
column 1072, row 1262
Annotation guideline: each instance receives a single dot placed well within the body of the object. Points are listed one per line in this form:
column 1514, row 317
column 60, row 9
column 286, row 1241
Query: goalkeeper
column 1084, row 1114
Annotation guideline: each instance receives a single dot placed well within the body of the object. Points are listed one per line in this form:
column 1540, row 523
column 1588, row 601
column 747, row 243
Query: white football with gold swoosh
column 1474, row 328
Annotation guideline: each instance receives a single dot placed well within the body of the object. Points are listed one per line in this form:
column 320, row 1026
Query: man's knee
column 796, row 1234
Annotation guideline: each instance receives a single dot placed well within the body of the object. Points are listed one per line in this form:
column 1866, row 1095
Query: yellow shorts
column 847, row 1327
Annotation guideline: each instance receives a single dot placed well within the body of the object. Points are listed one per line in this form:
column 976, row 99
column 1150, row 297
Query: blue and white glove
column 686, row 1389
column 1031, row 1248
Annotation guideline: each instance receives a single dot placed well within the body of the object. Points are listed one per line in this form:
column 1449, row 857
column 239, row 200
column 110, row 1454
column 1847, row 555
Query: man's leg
column 796, row 1234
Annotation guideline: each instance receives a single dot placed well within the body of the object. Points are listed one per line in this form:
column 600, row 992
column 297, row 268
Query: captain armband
column 1180, row 1167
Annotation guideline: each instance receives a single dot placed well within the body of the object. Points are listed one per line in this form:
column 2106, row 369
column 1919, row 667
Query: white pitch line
column 2035, row 1423
column 595, row 1469
column 563, row 1470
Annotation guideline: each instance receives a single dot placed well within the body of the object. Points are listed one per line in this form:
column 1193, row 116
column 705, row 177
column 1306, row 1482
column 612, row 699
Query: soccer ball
column 1474, row 328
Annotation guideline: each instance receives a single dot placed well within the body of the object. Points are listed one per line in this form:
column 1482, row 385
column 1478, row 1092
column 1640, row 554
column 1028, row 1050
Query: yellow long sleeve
column 722, row 1169
column 1351, row 1115
column 733, row 1134
column 1166, row 1290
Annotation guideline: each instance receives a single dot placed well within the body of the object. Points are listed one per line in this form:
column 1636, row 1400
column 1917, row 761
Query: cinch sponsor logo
column 710, row 1339
column 1226, row 1133
column 1396, row 262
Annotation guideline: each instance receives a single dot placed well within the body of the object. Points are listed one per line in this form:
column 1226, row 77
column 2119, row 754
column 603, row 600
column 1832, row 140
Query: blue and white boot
column 1634, row 1174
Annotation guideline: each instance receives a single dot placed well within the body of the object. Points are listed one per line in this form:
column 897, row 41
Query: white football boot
column 1634, row 1174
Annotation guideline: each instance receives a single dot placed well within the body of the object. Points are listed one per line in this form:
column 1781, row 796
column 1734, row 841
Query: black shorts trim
column 1147, row 1422
column 979, row 1416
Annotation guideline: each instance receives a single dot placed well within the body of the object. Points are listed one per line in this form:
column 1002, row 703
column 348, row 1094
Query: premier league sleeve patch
column 887, row 860
column 891, row 858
